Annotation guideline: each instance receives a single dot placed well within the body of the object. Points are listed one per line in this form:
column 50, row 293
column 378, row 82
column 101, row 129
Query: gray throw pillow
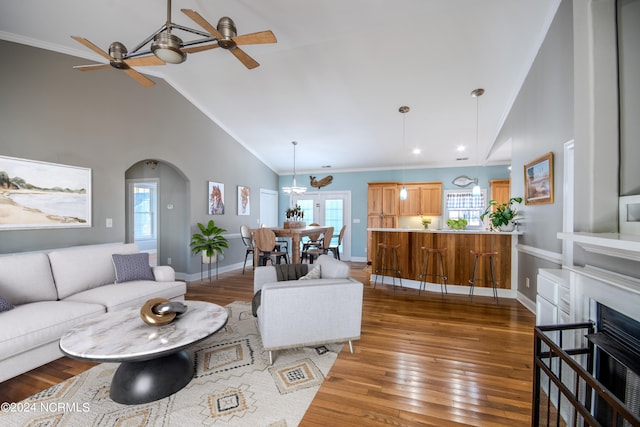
column 131, row 267
column 5, row 305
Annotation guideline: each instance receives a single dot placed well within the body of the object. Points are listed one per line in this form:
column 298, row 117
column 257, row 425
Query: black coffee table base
column 149, row 380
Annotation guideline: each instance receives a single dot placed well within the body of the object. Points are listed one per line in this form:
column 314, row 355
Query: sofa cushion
column 26, row 278
column 313, row 274
column 131, row 267
column 81, row 268
column 5, row 305
column 130, row 294
column 332, row 268
column 39, row 323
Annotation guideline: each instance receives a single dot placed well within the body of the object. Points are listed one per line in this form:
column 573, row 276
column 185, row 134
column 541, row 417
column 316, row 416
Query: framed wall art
column 538, row 180
column 216, row 198
column 36, row 194
column 244, row 200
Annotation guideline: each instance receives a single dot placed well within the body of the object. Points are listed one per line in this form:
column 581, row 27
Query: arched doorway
column 157, row 212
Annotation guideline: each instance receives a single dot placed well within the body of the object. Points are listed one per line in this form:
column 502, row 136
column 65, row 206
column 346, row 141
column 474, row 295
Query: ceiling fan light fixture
column 166, row 47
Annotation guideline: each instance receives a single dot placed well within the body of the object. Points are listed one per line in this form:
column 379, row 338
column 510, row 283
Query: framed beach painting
column 538, row 180
column 244, row 200
column 216, row 198
column 36, row 194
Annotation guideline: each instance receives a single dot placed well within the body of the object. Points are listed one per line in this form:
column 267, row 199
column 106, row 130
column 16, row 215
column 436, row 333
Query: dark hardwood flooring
column 421, row 360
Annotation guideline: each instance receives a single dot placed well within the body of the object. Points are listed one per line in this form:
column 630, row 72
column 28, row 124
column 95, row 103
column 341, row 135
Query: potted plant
column 209, row 241
column 295, row 216
column 501, row 215
column 426, row 222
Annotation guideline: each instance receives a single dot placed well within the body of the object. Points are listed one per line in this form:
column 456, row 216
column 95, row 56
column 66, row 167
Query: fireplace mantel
column 617, row 245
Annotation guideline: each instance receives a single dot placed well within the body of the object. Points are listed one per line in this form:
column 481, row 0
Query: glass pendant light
column 404, row 109
column 477, row 93
column 294, row 186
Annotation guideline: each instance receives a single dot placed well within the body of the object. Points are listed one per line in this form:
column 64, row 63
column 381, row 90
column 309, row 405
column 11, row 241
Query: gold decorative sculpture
column 161, row 311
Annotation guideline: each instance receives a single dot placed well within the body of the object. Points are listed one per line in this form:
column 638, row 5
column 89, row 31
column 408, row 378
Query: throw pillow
column 333, row 268
column 5, row 305
column 313, row 274
column 132, row 267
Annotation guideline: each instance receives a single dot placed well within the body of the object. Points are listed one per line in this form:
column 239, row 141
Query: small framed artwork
column 244, row 200
column 538, row 180
column 216, row 198
column 36, row 194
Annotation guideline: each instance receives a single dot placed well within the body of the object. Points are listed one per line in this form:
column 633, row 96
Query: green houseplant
column 501, row 215
column 209, row 241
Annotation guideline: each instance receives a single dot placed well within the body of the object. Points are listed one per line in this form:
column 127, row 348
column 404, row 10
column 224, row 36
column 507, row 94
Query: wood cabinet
column 423, row 198
column 500, row 190
column 382, row 212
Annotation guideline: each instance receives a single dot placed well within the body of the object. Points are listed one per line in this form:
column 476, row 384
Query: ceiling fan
column 167, row 47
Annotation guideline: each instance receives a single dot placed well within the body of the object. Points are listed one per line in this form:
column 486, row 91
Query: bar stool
column 388, row 252
column 473, row 279
column 440, row 275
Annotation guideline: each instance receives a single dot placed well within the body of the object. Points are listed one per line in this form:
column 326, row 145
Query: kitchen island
column 458, row 260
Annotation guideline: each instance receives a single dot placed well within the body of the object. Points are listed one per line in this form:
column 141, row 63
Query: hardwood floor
column 421, row 360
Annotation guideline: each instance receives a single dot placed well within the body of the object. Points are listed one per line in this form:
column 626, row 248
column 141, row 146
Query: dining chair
column 313, row 241
column 247, row 239
column 322, row 248
column 336, row 249
column 265, row 244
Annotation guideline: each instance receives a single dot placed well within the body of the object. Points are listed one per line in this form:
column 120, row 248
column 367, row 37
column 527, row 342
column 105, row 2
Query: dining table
column 296, row 235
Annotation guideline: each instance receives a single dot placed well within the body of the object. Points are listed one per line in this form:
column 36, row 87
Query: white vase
column 510, row 226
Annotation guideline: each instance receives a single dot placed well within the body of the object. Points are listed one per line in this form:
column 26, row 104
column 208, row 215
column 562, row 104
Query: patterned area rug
column 233, row 385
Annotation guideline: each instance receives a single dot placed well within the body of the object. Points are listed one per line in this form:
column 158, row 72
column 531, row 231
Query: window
column 144, row 204
column 463, row 204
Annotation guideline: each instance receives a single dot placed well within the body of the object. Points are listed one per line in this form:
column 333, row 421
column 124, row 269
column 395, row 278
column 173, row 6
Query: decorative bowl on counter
column 457, row 224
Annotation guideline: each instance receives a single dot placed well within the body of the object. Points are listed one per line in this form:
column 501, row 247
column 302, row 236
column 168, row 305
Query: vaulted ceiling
column 336, row 76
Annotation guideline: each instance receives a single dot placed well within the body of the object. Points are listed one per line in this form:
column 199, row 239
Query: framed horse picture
column 244, row 200
column 216, row 198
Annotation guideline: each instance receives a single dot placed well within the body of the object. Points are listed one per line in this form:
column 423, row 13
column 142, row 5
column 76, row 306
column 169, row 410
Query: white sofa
column 298, row 313
column 54, row 291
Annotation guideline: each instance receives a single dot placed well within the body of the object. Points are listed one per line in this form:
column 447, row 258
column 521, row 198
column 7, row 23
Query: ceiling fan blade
column 139, row 77
column 196, row 49
column 143, row 61
column 93, row 47
column 198, row 19
column 91, row 67
column 248, row 61
column 262, row 37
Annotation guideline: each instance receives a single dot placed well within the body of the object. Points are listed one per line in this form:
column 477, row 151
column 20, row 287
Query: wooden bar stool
column 439, row 275
column 388, row 261
column 473, row 279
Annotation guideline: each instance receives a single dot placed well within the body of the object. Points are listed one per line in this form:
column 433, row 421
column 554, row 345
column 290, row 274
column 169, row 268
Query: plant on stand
column 209, row 241
column 502, row 215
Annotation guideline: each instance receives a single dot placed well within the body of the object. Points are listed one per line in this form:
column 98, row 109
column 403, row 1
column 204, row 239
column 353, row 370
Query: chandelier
column 294, row 186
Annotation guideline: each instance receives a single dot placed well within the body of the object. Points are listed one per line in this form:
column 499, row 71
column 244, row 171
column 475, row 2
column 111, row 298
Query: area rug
column 233, row 385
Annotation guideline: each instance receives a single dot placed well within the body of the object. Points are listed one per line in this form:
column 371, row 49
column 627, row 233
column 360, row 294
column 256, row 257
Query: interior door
column 268, row 208
column 330, row 209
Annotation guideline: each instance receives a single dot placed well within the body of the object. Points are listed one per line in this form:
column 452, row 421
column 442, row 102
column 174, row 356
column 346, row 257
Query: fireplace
column 588, row 372
column 617, row 360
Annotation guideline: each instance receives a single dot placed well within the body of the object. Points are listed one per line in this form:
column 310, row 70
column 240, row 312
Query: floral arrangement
column 426, row 222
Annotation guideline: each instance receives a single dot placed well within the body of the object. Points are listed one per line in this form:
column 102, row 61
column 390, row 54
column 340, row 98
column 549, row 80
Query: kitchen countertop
column 421, row 230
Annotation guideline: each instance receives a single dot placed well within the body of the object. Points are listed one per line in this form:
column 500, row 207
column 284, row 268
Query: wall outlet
column 526, row 282
column 168, row 261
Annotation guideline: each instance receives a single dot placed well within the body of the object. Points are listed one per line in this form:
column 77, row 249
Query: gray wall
column 540, row 121
column 105, row 121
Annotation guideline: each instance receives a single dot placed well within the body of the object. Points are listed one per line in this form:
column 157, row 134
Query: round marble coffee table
column 154, row 360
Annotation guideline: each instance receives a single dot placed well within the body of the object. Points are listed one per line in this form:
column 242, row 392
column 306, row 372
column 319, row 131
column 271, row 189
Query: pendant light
column 403, row 110
column 477, row 93
column 294, row 186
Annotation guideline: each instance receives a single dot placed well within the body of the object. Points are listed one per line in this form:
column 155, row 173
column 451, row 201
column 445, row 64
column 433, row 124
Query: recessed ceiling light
column 460, row 148
column 417, row 151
